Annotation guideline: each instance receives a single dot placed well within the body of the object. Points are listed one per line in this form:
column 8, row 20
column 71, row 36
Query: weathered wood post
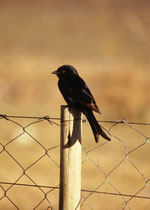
column 70, row 159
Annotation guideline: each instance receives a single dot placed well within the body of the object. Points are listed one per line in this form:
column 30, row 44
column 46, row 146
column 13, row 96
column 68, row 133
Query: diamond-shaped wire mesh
column 29, row 164
column 121, row 170
column 115, row 175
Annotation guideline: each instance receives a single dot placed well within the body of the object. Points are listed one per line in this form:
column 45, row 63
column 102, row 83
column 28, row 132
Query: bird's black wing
column 76, row 93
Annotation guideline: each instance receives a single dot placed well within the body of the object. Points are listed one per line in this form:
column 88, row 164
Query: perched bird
column 77, row 95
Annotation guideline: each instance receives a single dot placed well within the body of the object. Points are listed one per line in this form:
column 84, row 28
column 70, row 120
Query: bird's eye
column 63, row 72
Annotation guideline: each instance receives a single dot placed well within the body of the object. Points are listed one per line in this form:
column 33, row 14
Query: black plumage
column 77, row 95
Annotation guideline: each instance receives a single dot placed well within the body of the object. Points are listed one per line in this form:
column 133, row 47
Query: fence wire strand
column 6, row 187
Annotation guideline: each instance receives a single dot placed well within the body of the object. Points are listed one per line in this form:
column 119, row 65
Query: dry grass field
column 108, row 43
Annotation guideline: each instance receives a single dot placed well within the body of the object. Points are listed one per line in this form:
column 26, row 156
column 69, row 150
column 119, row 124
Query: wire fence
column 115, row 175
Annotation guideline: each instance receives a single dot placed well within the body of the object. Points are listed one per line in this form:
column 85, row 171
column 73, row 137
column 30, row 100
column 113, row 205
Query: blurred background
column 107, row 41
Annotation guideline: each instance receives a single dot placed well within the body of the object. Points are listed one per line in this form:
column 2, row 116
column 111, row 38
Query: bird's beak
column 55, row 72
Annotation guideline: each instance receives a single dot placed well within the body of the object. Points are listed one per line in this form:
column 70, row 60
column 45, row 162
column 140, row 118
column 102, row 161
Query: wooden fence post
column 70, row 159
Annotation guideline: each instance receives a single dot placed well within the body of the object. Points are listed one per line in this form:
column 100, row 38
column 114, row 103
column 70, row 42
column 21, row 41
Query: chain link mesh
column 115, row 175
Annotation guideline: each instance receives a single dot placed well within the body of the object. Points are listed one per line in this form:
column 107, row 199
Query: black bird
column 77, row 95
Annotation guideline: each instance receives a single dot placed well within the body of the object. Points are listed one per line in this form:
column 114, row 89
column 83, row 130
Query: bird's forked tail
column 96, row 128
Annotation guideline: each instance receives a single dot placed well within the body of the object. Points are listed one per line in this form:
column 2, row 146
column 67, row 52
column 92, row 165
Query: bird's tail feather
column 96, row 128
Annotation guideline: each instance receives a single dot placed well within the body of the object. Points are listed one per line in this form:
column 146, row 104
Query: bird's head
column 65, row 71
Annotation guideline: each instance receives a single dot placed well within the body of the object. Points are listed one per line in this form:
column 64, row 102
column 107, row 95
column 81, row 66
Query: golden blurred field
column 108, row 43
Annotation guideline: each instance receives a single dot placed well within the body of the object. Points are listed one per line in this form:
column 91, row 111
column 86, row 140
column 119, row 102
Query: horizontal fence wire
column 88, row 191
column 84, row 120
column 48, row 191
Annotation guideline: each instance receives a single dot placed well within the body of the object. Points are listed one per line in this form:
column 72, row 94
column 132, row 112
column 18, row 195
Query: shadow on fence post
column 70, row 159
